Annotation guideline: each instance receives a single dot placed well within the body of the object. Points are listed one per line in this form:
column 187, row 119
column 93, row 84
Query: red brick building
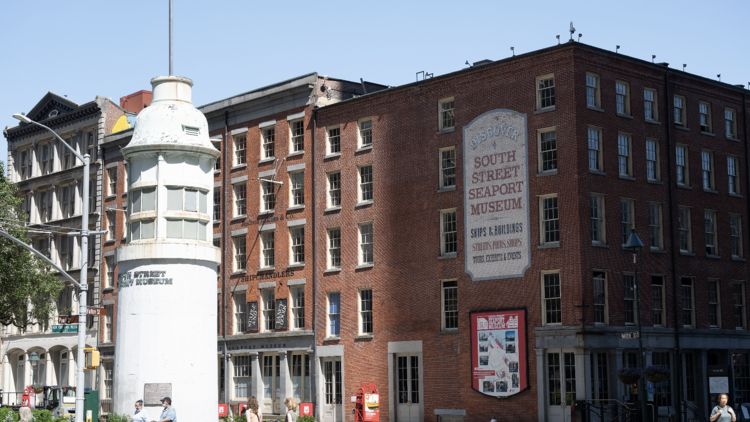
column 613, row 144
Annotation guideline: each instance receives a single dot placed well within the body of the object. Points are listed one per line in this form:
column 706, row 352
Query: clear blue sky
column 83, row 48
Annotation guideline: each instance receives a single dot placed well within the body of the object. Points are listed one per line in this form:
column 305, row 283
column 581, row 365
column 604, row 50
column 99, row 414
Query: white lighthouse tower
column 166, row 299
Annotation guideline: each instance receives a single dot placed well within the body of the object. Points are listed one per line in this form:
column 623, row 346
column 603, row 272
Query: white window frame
column 654, row 104
column 741, row 305
column 239, row 249
column 111, row 225
column 595, row 146
column 363, row 245
column 333, row 192
column 446, row 116
column 268, row 313
column 653, row 158
column 717, row 302
column 541, row 134
column 622, row 97
column 112, row 181
column 297, row 245
column 330, row 315
column 735, row 234
column 294, row 136
column 47, row 166
column 242, row 368
column 362, row 312
column 543, row 220
column 297, row 301
column 707, row 170
column 333, row 247
column 704, row 110
column 217, row 143
column 629, row 301
column 297, row 188
column 663, row 301
column 685, row 166
column 605, row 292
column 593, row 90
column 239, row 204
column 445, row 285
column 447, row 171
column 110, row 271
column 268, row 142
column 109, row 334
column 239, row 301
column 679, row 104
column 333, row 141
column 540, row 84
column 625, row 154
column 684, row 224
column 598, row 217
column 364, row 186
column 240, row 150
column 362, row 136
column 448, row 237
column 68, row 207
column 692, row 302
column 267, row 195
column 710, row 217
column 545, row 299
column 268, row 250
column 733, row 174
column 730, row 123
column 656, row 222
column 216, row 209
column 627, row 205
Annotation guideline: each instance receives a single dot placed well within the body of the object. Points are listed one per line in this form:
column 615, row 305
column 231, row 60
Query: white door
column 20, row 383
column 333, row 408
column 408, row 405
column 561, row 384
column 63, row 369
column 271, row 386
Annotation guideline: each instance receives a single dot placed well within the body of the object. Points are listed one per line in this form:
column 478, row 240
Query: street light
column 634, row 246
column 34, row 360
column 82, row 286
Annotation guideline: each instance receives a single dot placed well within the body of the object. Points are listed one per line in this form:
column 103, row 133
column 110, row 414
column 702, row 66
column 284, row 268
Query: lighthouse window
column 143, row 229
column 191, row 200
column 143, row 199
column 174, row 199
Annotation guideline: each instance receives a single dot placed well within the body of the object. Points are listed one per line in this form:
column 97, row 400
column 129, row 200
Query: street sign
column 65, row 328
column 626, row 336
column 67, row 319
column 650, row 391
column 96, row 311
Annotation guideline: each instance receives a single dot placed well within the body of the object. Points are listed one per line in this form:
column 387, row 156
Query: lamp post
column 34, row 360
column 82, row 286
column 634, row 246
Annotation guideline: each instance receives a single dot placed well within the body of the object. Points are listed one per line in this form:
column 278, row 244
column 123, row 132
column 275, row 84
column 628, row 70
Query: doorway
column 408, row 404
column 333, row 408
column 561, row 384
column 271, row 385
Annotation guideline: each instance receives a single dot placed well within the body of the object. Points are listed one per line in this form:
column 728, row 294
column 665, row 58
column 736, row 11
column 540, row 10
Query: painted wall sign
column 252, row 316
column 496, row 196
column 281, row 314
column 267, row 276
column 142, row 278
column 499, row 361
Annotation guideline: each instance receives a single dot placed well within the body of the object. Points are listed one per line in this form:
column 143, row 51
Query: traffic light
column 92, row 358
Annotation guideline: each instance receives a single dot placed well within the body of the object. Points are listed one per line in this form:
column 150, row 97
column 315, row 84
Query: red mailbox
column 367, row 406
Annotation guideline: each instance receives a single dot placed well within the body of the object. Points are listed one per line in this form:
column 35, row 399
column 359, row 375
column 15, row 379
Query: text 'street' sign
column 496, row 196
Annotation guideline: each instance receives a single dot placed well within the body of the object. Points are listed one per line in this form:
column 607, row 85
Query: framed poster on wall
column 499, row 359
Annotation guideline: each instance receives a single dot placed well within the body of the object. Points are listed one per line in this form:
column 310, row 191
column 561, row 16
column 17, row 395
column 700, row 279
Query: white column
column 5, row 374
column 34, row 161
column 540, row 384
column 161, row 192
column 76, row 197
column 33, row 211
column 48, row 368
column 618, row 364
column 71, row 368
column 587, row 367
column 285, row 379
column 54, row 214
column 229, row 394
column 12, row 167
column 27, row 373
column 256, row 381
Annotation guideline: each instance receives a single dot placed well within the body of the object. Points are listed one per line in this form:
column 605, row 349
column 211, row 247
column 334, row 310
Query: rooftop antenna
column 514, row 52
column 719, row 76
column 579, row 37
column 170, row 38
column 558, row 39
column 653, row 56
column 616, row 50
column 683, row 67
column 572, row 30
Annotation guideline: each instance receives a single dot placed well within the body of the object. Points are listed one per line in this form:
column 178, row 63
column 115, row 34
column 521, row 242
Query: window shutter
column 281, row 314
column 252, row 316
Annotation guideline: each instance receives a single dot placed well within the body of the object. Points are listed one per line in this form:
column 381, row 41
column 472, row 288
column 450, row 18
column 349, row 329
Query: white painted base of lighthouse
column 166, row 328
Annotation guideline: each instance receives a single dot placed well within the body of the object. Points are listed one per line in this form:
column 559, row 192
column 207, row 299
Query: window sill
column 296, row 207
column 547, row 173
column 710, row 191
column 549, row 245
column 239, row 166
column 267, row 212
column 217, row 171
column 332, row 338
column 655, row 182
column 590, row 107
column 600, row 173
column 334, row 155
column 681, row 186
column 599, row 245
column 262, row 270
column 735, row 195
column 686, row 129
column 627, row 116
column 364, row 266
column 108, row 289
column 109, row 241
column 239, row 272
column 363, row 203
column 363, row 149
column 332, row 270
column 294, row 154
column 449, row 331
column 545, row 110
column 683, row 253
column 656, row 122
column 737, row 258
column 110, row 196
column 216, row 221
column 239, row 217
column 713, row 256
column 448, row 256
column 708, row 133
column 333, row 209
column 625, row 177
column 733, row 139
column 657, row 250
column 364, row 337
column 448, row 130
column 447, row 189
column 302, row 265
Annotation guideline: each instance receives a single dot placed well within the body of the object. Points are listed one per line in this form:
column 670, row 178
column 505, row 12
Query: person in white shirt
column 140, row 414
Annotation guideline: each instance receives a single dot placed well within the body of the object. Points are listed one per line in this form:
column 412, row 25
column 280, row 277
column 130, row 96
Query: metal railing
column 697, row 414
column 609, row 410
column 10, row 398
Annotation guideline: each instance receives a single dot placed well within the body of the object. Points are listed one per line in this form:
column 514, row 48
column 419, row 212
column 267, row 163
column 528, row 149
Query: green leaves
column 28, row 288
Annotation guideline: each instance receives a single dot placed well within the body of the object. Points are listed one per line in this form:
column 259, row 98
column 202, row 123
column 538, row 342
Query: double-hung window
column 545, row 91
column 68, row 201
column 242, row 374
column 592, row 90
column 365, row 244
column 600, row 298
column 267, row 249
column 685, row 229
column 240, row 313
column 447, row 167
column 740, row 318
column 734, row 180
column 448, row 232
column 552, row 300
column 268, row 307
column 449, row 302
column 112, row 175
column 297, row 128
column 657, row 294
column 45, row 206
column 298, row 307
column 240, row 150
column 109, row 281
column 217, row 144
column 91, row 145
column 650, row 104
column 735, row 234
column 682, row 165
column 680, row 118
column 446, row 116
column 47, row 158
column 707, row 169
column 547, row 139
column 629, row 298
column 550, row 220
column 334, row 248
column 595, row 149
column 68, row 160
column 688, row 309
column 711, row 239
column 334, row 140
column 240, row 199
column 111, row 223
column 268, row 195
column 365, row 132
column 597, row 220
column 268, row 136
column 622, row 90
column 714, row 304
column 217, row 204
column 297, row 244
column 655, row 226
column 365, row 312
column 297, row 188
column 624, row 155
column 334, row 189
column 730, row 123
column 627, row 219
column 240, row 262
column 653, row 170
column 365, row 183
column 705, row 114
column 334, row 314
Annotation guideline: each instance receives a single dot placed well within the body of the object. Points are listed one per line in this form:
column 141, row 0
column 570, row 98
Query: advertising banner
column 499, row 362
column 496, row 196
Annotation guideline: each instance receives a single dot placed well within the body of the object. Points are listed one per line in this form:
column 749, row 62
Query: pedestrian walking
column 722, row 412
column 168, row 414
column 291, row 413
column 140, row 415
column 252, row 413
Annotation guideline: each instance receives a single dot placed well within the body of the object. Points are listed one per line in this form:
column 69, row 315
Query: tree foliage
column 28, row 287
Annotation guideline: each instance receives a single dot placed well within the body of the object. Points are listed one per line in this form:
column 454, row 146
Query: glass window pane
column 174, row 199
column 191, row 229
column 203, row 202
column 149, row 200
column 191, row 203
column 136, row 201
column 147, row 229
column 174, row 229
column 202, row 230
